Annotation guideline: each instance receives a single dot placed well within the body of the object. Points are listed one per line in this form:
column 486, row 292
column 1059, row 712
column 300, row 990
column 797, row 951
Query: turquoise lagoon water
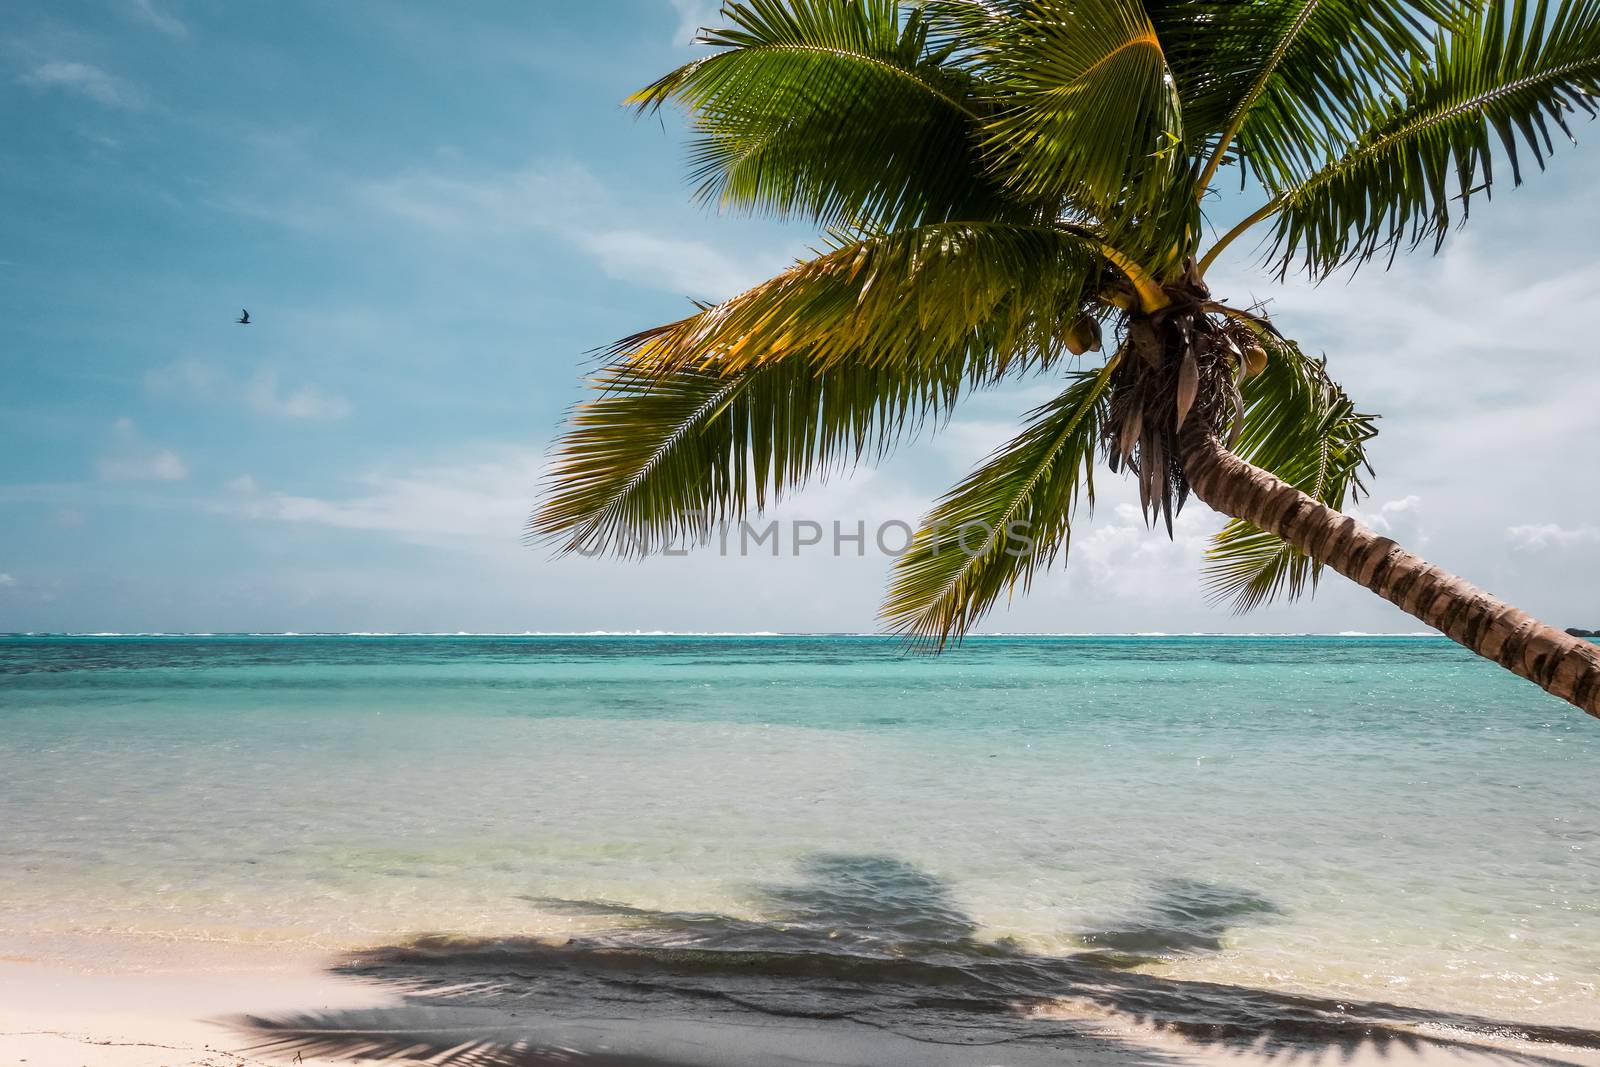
column 1353, row 817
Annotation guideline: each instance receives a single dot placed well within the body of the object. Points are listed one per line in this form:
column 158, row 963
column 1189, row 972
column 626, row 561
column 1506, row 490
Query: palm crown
column 1003, row 183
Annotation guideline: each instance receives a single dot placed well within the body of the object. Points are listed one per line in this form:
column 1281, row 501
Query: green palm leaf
column 1508, row 74
column 1276, row 83
column 843, row 111
column 1091, row 113
column 836, row 357
column 996, row 296
column 655, row 461
column 1299, row 425
column 1006, row 519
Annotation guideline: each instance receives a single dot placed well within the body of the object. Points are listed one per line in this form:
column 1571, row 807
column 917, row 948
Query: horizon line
column 707, row 633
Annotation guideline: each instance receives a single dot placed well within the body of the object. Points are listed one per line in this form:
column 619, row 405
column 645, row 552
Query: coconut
column 1255, row 359
column 1083, row 335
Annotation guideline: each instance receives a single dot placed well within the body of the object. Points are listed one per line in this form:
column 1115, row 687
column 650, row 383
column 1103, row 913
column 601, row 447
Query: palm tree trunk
column 1566, row 666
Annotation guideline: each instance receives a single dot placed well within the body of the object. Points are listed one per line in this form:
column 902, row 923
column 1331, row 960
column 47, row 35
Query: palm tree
column 1005, row 183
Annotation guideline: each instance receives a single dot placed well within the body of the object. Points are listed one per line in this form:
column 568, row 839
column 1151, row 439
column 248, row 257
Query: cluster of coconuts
column 1083, row 335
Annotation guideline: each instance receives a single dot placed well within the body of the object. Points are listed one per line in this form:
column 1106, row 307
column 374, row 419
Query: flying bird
column 244, row 317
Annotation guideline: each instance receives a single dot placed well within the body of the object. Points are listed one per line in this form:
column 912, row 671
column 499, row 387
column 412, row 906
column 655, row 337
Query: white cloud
column 1536, row 537
column 693, row 268
column 484, row 502
column 692, row 15
column 306, row 402
column 6, row 581
column 460, row 505
column 532, row 198
column 966, row 442
column 1411, row 503
column 262, row 393
column 1476, row 332
column 1115, row 553
column 244, row 483
column 85, row 80
column 163, row 465
column 1458, row 351
column 476, row 508
column 148, row 13
column 133, row 459
column 564, row 200
column 1396, row 518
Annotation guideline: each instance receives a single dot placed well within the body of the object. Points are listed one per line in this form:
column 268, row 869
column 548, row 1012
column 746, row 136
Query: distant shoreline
column 1153, row 635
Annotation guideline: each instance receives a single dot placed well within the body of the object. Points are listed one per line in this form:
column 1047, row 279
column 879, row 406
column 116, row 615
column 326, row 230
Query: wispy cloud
column 262, row 393
column 305, row 402
column 148, row 13
column 481, row 503
column 85, row 80
column 692, row 15
column 6, row 581
column 460, row 505
column 1117, row 554
column 684, row 266
column 1401, row 518
column 1537, row 537
column 1448, row 331
column 133, row 459
column 564, row 200
column 555, row 195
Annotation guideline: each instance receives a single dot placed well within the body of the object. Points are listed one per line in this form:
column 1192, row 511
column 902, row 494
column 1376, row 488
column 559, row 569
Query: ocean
column 1142, row 825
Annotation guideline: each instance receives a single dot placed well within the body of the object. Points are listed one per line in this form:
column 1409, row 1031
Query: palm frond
column 1299, row 425
column 996, row 296
column 1006, row 519
column 1092, row 115
column 1509, row 73
column 702, row 418
column 841, row 111
column 1275, row 85
column 963, row 23
column 656, row 461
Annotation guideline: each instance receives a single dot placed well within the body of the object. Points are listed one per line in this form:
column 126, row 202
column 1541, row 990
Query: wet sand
column 223, row 1006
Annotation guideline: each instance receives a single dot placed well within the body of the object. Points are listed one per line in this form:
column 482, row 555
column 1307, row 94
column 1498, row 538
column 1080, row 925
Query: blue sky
column 434, row 211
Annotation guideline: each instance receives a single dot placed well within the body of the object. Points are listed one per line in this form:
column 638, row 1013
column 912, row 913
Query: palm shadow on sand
column 865, row 959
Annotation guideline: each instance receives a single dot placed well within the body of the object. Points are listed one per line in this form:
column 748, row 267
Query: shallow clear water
column 1374, row 818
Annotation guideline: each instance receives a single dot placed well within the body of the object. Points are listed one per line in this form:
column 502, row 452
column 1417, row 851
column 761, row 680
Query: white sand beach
column 225, row 1006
